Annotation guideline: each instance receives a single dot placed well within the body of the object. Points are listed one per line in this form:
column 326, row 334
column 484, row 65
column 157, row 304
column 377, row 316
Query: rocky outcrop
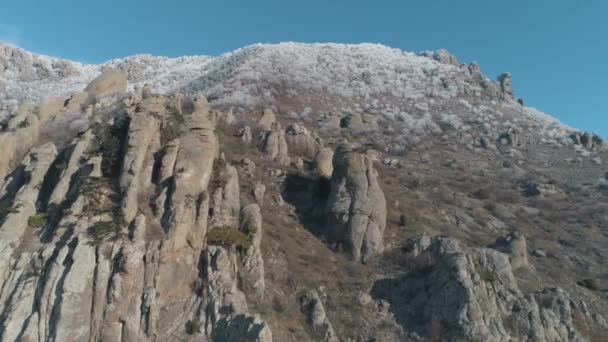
column 24, row 206
column 352, row 121
column 586, row 139
column 185, row 219
column 80, row 146
column 506, row 87
column 253, row 263
column 514, row 245
column 108, row 83
column 274, row 145
column 267, row 120
column 143, row 142
column 225, row 203
column 312, row 308
column 356, row 207
column 301, row 141
column 509, row 137
column 258, row 192
column 105, row 239
column 441, row 56
column 458, row 293
column 223, row 315
column 324, row 163
column 245, row 134
column 22, row 133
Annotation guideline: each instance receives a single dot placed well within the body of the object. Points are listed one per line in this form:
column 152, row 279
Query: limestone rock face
column 81, row 145
column 108, row 83
column 312, row 307
column 97, row 246
column 23, row 132
column 185, row 218
column 301, row 141
column 224, row 306
column 356, row 207
column 324, row 163
column 142, row 143
column 226, row 205
column 506, row 84
column 267, row 120
column 245, row 134
column 258, row 192
column 15, row 225
column 509, row 137
column 441, row 56
column 274, row 145
column 253, row 263
column 515, row 246
column 462, row 294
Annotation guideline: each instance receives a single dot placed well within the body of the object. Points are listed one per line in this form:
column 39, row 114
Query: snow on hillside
column 365, row 77
column 347, row 71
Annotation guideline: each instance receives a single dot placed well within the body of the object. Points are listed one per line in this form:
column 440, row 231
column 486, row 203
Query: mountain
column 293, row 192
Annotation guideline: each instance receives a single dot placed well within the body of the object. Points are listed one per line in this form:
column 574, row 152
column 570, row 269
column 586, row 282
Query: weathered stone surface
column 245, row 134
column 462, row 294
column 35, row 166
column 168, row 160
column 81, row 145
column 267, row 120
column 274, row 145
column 301, row 141
column 505, row 80
column 324, row 163
column 353, row 121
column 186, row 217
column 258, row 192
column 514, row 245
column 253, row 263
column 225, row 202
column 224, row 311
column 312, row 307
column 356, row 207
column 23, row 133
column 143, row 129
column 441, row 56
column 510, row 137
column 247, row 166
column 108, row 83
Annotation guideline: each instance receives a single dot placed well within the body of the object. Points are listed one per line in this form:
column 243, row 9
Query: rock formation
column 108, row 83
column 149, row 215
column 274, row 145
column 301, row 141
column 505, row 80
column 312, row 307
column 514, row 245
column 356, row 207
column 267, row 120
column 109, row 247
column 463, row 294
column 324, row 163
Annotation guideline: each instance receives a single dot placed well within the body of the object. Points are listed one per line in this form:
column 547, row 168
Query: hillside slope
column 293, row 192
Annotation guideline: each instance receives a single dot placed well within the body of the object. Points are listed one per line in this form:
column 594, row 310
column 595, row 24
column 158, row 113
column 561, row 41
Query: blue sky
column 556, row 50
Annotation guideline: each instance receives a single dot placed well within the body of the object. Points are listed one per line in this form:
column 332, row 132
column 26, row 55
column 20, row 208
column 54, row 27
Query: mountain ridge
column 189, row 73
column 335, row 193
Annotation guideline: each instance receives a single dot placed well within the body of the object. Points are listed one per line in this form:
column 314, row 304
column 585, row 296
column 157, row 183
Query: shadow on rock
column 308, row 195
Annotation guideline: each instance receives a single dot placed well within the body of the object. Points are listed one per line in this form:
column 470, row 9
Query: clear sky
column 557, row 50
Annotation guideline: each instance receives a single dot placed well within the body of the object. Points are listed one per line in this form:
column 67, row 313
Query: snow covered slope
column 302, row 78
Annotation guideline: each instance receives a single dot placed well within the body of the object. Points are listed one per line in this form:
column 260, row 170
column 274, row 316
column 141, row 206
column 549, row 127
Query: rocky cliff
column 293, row 193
